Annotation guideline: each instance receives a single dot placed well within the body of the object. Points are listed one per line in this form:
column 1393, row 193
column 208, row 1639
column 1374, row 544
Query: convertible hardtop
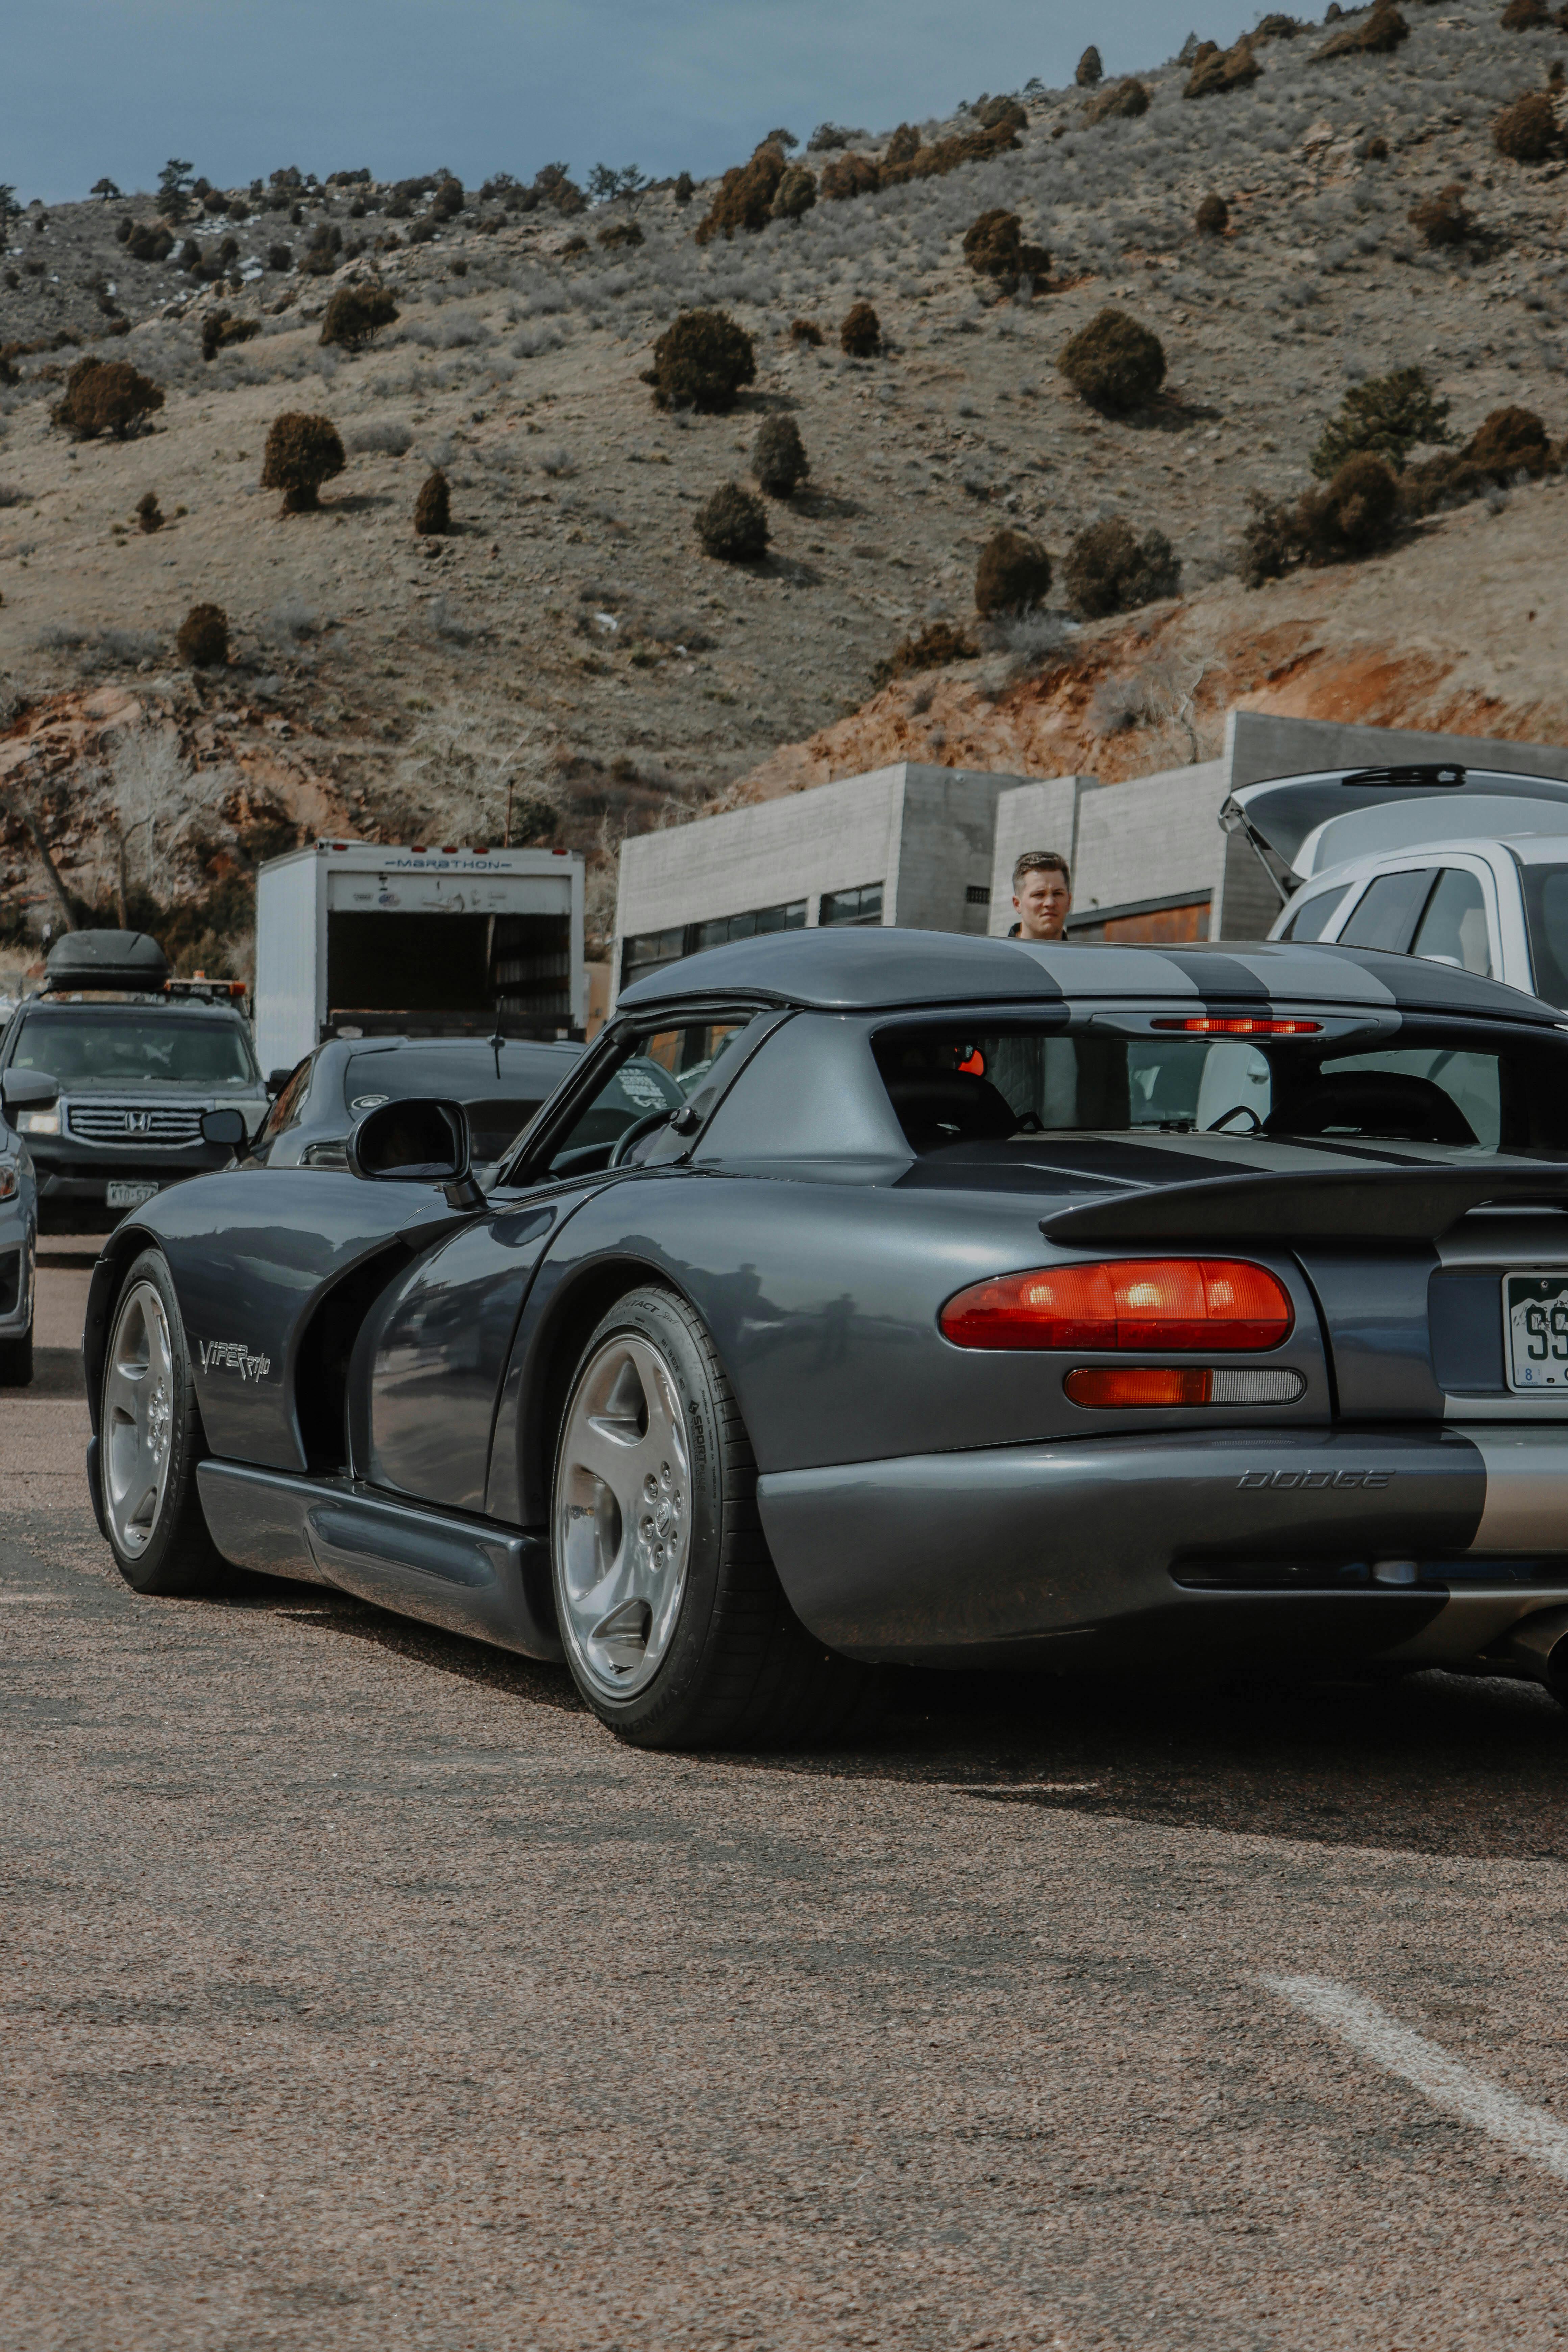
column 875, row 970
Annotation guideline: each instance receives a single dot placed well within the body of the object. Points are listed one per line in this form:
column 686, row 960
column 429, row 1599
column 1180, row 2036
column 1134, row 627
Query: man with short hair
column 1042, row 895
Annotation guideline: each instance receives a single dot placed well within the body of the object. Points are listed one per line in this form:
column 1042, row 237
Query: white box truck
column 357, row 937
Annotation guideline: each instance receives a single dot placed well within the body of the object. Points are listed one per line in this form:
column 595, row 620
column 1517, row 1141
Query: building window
column 862, row 906
column 745, row 927
column 647, row 951
column 977, row 895
column 650, row 951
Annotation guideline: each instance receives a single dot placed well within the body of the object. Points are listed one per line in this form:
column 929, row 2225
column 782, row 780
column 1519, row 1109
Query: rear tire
column 16, row 1361
column 150, row 1439
column 675, row 1625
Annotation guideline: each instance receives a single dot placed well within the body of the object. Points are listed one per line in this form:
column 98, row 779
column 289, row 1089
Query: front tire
column 150, row 1440
column 675, row 1625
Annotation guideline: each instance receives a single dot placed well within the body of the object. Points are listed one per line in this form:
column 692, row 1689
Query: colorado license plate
column 131, row 1196
column 1535, row 1330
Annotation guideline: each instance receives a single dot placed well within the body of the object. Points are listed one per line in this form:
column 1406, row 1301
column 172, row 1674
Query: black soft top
column 873, row 970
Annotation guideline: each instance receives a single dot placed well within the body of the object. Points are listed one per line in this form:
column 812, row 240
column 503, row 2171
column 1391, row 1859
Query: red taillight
column 1240, row 1024
column 1169, row 1302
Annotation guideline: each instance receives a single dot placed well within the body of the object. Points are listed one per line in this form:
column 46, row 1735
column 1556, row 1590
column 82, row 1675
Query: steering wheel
column 1236, row 1110
column 633, row 1134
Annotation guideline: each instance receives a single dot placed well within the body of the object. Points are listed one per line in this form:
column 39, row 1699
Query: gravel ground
column 361, row 1991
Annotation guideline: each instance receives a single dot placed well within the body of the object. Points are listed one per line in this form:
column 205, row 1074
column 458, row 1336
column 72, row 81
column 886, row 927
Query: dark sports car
column 884, row 1295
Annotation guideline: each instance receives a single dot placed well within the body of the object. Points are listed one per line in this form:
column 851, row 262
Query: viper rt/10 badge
column 233, row 1356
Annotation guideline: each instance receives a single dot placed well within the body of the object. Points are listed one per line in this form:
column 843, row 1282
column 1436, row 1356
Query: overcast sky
column 240, row 86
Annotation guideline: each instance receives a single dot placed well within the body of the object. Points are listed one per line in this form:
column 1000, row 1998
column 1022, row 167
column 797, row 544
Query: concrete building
column 906, row 844
column 932, row 848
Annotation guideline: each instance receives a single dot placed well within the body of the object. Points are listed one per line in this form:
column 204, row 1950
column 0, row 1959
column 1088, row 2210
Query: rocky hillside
column 568, row 651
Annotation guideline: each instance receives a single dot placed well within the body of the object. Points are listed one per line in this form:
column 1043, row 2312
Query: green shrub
column 303, row 452
column 733, row 525
column 1526, row 130
column 1525, row 16
column 745, row 196
column 778, row 455
column 1375, row 35
column 1113, row 362
column 861, row 333
column 1123, row 101
column 325, row 250
column 620, row 235
column 931, row 647
column 903, row 146
column 795, row 193
column 851, row 176
column 148, row 517
column 1109, row 570
column 448, row 200
column 105, row 396
column 145, row 244
column 1222, row 69
column 1089, row 70
column 806, row 331
column 701, row 361
column 356, row 313
column 994, row 247
column 202, row 642
column 219, row 330
column 1510, row 442
column 432, row 506
column 1442, row 219
column 1213, row 216
column 685, row 188
column 1355, row 515
column 1278, row 26
column 1387, row 416
column 280, row 258
column 1013, row 572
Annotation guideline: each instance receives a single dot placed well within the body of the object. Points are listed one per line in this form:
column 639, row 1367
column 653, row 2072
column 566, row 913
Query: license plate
column 131, row 1196
column 1535, row 1330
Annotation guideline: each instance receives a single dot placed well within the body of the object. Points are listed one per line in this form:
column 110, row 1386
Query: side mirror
column 224, row 1126
column 416, row 1142
column 276, row 1082
column 29, row 1090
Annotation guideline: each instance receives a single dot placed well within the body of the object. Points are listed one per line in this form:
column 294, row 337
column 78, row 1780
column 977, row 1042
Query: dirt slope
column 571, row 645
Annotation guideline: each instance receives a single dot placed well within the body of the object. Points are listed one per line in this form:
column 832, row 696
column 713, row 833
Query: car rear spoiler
column 1401, row 1204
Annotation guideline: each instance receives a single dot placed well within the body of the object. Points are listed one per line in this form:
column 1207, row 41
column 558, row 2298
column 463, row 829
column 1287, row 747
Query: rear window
column 500, row 1086
column 1439, row 1088
column 1546, row 918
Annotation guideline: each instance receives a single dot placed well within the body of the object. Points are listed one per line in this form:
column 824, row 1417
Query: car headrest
column 1391, row 1103
column 950, row 1106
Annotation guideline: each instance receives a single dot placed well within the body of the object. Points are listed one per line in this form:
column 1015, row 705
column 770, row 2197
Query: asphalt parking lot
column 361, row 1991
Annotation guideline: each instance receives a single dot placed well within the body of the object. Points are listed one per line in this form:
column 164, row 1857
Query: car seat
column 1391, row 1104
column 950, row 1106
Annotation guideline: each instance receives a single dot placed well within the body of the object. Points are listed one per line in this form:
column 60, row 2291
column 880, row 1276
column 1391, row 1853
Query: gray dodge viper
column 876, row 1296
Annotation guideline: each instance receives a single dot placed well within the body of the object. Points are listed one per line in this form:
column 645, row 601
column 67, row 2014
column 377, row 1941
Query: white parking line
column 1528, row 2130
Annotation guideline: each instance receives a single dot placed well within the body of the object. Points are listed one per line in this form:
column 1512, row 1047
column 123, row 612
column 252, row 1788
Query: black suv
column 138, row 1060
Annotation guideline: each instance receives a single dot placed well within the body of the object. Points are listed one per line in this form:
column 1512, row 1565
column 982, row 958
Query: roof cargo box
column 117, row 960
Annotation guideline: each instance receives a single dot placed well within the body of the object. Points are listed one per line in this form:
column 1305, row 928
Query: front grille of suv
column 133, row 1123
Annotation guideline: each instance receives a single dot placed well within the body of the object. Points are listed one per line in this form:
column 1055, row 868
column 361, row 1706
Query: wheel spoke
column 138, row 1418
column 622, row 1514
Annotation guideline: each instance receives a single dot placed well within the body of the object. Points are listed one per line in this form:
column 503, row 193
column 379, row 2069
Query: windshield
column 136, row 1050
column 1452, row 1089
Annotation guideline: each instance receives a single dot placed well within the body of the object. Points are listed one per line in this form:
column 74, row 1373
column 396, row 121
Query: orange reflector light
column 1166, row 1303
column 1118, row 1384
column 1240, row 1024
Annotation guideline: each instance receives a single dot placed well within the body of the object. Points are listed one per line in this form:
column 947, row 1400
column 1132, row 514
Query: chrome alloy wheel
column 623, row 1516
column 138, row 1418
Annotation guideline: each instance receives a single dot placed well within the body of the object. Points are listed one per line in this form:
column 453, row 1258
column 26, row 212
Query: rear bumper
column 1242, row 1547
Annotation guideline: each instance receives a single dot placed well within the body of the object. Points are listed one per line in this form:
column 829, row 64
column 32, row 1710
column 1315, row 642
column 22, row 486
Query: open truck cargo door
column 353, row 938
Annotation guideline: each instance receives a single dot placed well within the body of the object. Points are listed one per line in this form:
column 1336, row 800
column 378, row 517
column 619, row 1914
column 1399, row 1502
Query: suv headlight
column 10, row 1183
column 38, row 1122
